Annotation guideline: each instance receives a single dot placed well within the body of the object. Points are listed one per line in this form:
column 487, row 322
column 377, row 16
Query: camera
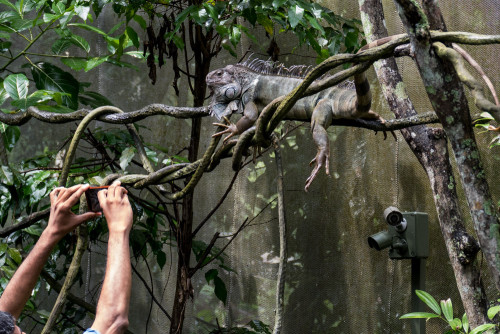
column 92, row 200
column 407, row 236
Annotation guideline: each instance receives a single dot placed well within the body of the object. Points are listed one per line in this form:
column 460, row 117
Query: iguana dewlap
column 248, row 88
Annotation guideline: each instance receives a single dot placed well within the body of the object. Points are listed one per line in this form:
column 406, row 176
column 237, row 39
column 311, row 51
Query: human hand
column 116, row 208
column 62, row 220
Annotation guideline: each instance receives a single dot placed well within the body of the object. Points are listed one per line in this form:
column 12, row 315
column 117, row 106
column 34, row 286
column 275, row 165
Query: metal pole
column 417, row 283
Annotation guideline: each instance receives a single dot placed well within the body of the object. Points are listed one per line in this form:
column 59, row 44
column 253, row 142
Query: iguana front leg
column 320, row 121
column 250, row 114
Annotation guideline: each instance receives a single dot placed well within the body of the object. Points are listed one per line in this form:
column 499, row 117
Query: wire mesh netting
column 335, row 283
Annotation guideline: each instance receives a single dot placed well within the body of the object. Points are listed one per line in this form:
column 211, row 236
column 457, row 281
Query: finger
column 54, row 193
column 101, row 197
column 122, row 192
column 86, row 217
column 227, row 120
column 67, row 192
column 76, row 194
column 112, row 191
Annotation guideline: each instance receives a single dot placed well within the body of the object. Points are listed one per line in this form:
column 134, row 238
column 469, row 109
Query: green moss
column 401, row 91
column 451, row 185
column 430, row 90
column 450, row 119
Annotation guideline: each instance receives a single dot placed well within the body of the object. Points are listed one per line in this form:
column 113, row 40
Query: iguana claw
column 322, row 158
column 230, row 128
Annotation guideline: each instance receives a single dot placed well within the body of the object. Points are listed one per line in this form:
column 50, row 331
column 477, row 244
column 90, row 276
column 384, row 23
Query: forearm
column 113, row 304
column 22, row 283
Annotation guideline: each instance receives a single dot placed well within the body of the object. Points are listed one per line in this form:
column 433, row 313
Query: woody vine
column 162, row 180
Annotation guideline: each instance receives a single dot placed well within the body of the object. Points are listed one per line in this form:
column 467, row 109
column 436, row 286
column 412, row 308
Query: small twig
column 216, row 207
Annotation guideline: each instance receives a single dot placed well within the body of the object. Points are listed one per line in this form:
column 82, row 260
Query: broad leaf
column 3, row 95
column 126, row 157
column 61, row 45
column 82, row 12
column 11, row 135
column 455, row 324
column 9, row 3
column 161, row 259
column 80, row 42
column 15, row 255
column 220, row 289
column 94, row 99
column 76, row 64
column 16, row 86
column 94, row 62
column 295, row 15
column 493, row 311
column 419, row 315
column 51, row 77
column 211, row 274
column 6, row 176
column 465, row 323
column 482, row 328
column 447, row 308
column 428, row 300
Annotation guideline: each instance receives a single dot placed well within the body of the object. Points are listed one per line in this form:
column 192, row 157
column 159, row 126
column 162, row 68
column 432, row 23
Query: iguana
column 248, row 87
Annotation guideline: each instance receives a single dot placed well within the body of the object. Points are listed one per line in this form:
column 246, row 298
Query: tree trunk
column 430, row 147
column 447, row 96
column 184, row 289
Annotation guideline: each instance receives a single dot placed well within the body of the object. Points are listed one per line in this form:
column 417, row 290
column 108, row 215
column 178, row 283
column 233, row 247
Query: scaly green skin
column 243, row 89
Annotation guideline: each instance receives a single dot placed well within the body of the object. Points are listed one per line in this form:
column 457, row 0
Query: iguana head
column 225, row 89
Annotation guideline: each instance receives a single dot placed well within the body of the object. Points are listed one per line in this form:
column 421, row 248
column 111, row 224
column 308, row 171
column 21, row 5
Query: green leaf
column 161, row 259
column 15, row 255
column 8, row 16
column 82, row 12
column 9, row 3
column 76, row 64
column 465, row 323
column 429, row 301
column 61, row 45
column 447, row 308
column 16, row 85
column 51, row 77
column 493, row 311
column 126, row 157
column 58, row 8
column 133, row 36
column 94, row 99
column 220, row 289
column 482, row 328
column 140, row 21
column 10, row 136
column 211, row 274
column 88, row 27
column 80, row 42
column 94, row 62
column 295, row 14
column 3, row 95
column 235, row 35
column 419, row 315
column 6, row 176
column 455, row 324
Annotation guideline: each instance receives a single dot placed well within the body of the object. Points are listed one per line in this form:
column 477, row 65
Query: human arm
column 113, row 304
column 61, row 221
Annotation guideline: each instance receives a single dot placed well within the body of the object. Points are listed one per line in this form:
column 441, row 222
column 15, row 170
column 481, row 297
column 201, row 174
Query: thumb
column 88, row 216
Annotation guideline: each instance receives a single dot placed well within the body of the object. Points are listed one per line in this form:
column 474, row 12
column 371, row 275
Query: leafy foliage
column 445, row 308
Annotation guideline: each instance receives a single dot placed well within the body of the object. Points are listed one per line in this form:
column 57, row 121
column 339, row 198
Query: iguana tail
column 363, row 93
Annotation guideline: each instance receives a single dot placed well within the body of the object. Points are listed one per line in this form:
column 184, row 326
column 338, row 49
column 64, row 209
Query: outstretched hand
column 62, row 220
column 116, row 208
